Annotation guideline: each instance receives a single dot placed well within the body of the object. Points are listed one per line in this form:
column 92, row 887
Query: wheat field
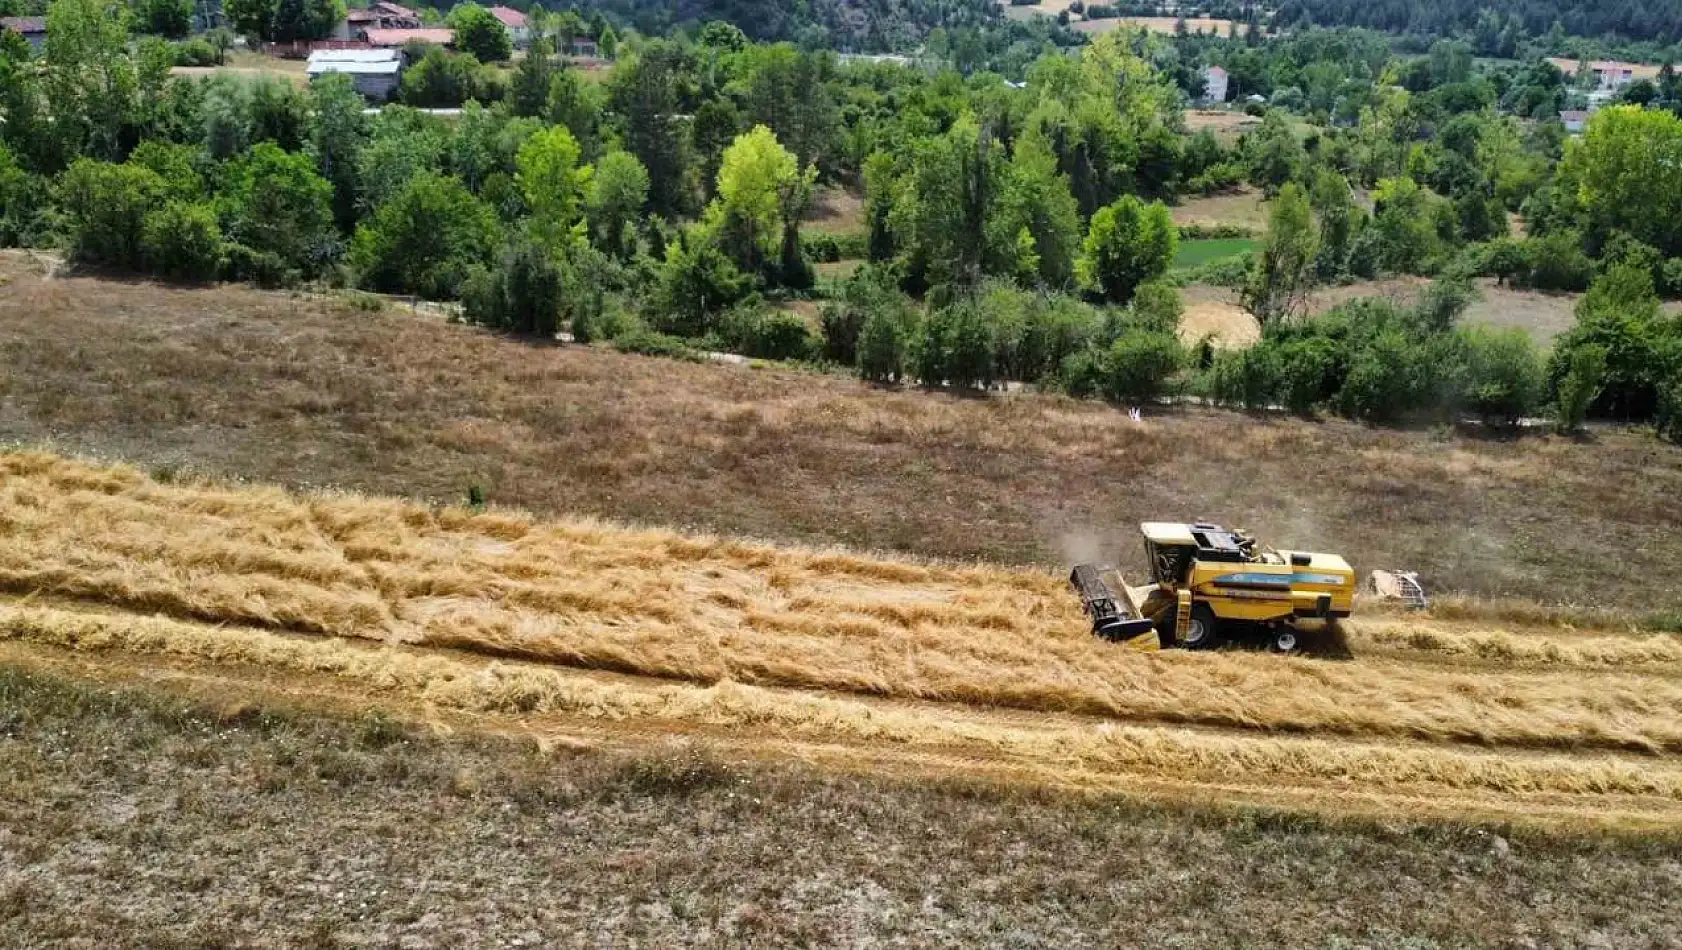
column 499, row 613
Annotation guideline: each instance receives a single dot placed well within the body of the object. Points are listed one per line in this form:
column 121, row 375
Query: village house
column 1214, row 84
column 375, row 73
column 31, row 28
column 519, row 28
column 396, row 39
column 1609, row 75
column 377, row 16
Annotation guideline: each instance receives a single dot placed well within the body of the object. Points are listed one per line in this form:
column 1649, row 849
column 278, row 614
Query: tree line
column 1012, row 230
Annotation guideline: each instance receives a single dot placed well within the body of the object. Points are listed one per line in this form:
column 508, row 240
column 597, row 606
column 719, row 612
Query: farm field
column 1243, row 208
column 496, row 613
column 303, row 392
column 269, row 704
column 1195, row 253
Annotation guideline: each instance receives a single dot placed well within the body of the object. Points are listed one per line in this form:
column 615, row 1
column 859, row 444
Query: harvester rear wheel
column 1285, row 640
column 1200, row 634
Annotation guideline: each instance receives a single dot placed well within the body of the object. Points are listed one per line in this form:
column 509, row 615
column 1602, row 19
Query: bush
column 1388, row 377
column 955, row 347
column 777, row 335
column 263, row 268
column 426, row 239
column 609, row 324
column 182, row 241
column 1246, row 378
column 882, row 346
column 870, row 290
column 1580, row 387
column 694, row 284
column 1139, row 365
column 522, row 293
column 195, row 52
column 106, row 207
column 640, row 339
column 1502, row 379
column 1557, row 262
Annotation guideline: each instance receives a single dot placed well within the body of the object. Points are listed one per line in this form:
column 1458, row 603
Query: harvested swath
column 713, row 609
column 1649, row 652
column 1059, row 744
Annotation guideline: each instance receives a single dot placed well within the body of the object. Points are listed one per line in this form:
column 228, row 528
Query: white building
column 1214, row 84
column 374, row 72
column 519, row 28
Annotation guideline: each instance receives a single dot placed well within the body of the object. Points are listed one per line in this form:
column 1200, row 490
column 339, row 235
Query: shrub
column 1580, row 387
column 522, row 293
column 263, row 268
column 106, row 207
column 777, row 335
column 1246, row 378
column 868, row 291
column 882, row 346
column 608, row 324
column 1139, row 365
column 1388, row 377
column 195, row 52
column 426, row 239
column 182, row 241
column 694, row 283
column 1502, row 379
column 1557, row 262
column 955, row 347
column 640, row 339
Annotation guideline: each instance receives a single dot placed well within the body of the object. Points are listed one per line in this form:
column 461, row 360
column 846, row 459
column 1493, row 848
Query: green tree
column 1503, row 379
column 182, row 241
column 694, row 284
column 171, row 18
column 92, row 82
column 175, row 165
column 1274, row 154
column 443, row 80
column 528, row 91
column 338, row 132
column 1035, row 198
column 645, row 95
column 283, row 21
column 788, row 91
column 105, row 207
column 941, row 210
column 762, row 192
column 1580, row 387
column 1281, row 277
column 1628, row 171
column 480, row 33
column 553, row 183
column 1128, row 243
column 426, row 239
column 1139, row 365
column 1620, row 316
column 617, row 193
column 522, row 292
column 275, row 202
column 881, row 347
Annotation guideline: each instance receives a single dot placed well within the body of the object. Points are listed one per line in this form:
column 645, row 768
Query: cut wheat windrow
column 86, row 548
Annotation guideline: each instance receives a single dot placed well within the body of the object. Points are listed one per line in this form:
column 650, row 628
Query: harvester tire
column 1200, row 633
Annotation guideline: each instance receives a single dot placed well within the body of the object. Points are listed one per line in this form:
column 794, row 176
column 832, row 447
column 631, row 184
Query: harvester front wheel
column 1199, row 634
column 1285, row 640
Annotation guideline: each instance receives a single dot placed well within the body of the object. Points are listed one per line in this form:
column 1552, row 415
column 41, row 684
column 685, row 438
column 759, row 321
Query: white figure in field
column 1135, row 415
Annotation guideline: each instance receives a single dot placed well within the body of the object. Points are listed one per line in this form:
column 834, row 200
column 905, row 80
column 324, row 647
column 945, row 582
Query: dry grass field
column 1244, row 208
column 300, row 392
column 144, row 809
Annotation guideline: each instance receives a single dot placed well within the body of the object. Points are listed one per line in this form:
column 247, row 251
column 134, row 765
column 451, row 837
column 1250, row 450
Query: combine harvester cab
column 1211, row 584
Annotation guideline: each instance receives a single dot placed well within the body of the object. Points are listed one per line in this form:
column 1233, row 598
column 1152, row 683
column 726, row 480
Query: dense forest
column 1657, row 20
column 1010, row 230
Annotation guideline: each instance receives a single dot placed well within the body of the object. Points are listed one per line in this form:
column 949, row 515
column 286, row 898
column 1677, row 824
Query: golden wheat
column 712, row 610
column 1056, row 743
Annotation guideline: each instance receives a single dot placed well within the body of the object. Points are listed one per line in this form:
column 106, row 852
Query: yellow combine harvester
column 1211, row 584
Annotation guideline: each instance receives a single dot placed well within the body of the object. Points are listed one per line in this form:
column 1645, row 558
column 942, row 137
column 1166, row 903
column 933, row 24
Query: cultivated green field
column 1197, row 253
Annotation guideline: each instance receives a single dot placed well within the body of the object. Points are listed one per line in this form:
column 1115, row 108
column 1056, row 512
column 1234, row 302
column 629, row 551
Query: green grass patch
column 1198, row 253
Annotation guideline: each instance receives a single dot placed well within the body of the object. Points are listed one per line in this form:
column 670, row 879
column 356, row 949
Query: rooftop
column 438, row 37
column 510, row 17
column 24, row 24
